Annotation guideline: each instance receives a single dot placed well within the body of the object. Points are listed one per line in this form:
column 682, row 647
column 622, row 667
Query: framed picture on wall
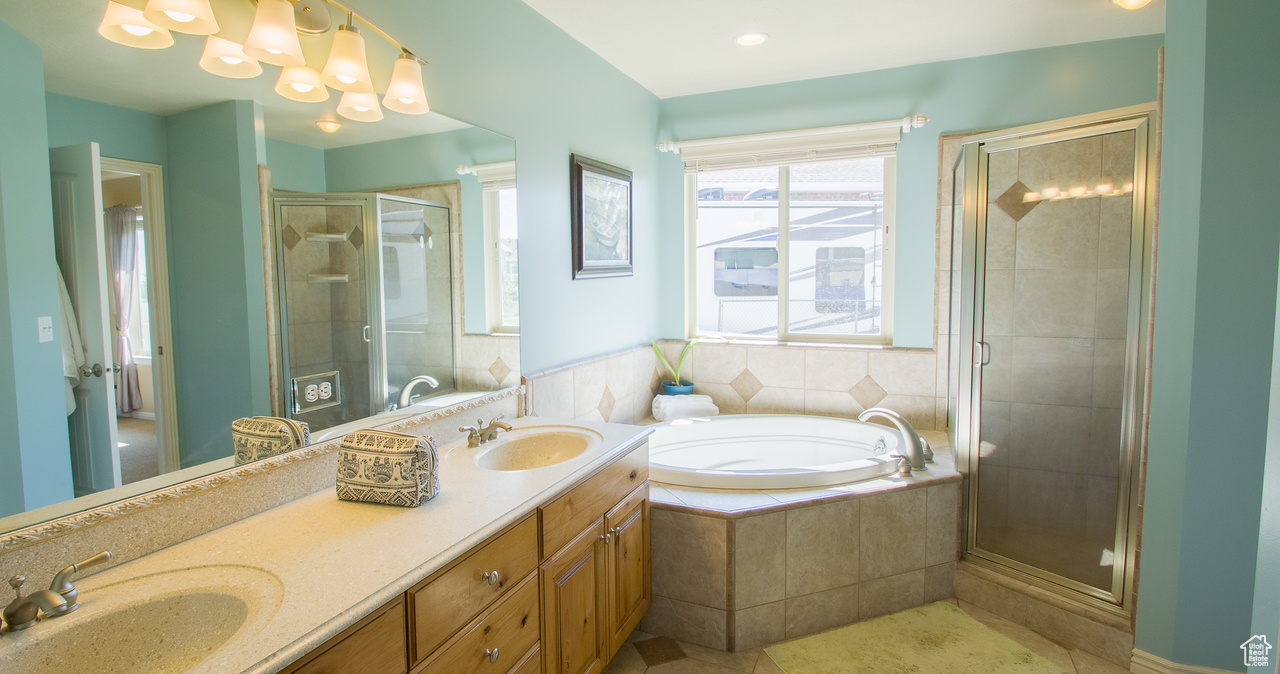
column 600, row 212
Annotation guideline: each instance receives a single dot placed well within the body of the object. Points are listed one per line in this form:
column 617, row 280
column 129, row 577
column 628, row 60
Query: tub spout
column 912, row 446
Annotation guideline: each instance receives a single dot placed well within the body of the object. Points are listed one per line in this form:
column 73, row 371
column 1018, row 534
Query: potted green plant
column 676, row 386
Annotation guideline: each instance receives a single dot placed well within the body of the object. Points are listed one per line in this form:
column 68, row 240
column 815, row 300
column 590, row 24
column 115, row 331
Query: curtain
column 121, row 223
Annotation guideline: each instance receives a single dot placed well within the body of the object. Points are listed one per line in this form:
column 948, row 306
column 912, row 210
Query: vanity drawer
column 531, row 664
column 375, row 645
column 566, row 516
column 511, row 628
column 447, row 601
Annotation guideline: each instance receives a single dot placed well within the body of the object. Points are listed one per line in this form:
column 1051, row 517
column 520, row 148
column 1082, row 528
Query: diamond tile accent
column 499, row 369
column 1011, row 201
column 746, row 384
column 291, row 237
column 867, row 392
column 356, row 238
column 606, row 403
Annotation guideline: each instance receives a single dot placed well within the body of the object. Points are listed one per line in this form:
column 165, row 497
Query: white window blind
column 496, row 176
column 873, row 139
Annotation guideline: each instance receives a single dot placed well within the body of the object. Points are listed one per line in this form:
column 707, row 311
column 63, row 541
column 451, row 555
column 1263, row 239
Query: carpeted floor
column 937, row 637
column 139, row 451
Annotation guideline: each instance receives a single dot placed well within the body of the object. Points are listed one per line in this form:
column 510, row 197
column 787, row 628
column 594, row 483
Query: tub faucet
column 23, row 612
column 912, row 445
column 406, row 393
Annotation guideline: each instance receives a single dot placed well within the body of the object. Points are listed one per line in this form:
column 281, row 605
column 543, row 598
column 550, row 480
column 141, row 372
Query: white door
column 82, row 257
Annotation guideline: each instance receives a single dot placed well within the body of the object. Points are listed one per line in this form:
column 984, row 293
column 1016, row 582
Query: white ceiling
column 79, row 62
column 679, row 47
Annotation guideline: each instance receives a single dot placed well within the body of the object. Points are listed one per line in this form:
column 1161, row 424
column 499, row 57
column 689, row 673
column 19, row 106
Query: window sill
column 796, row 344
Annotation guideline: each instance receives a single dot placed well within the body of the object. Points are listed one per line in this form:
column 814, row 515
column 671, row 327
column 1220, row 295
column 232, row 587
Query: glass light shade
column 302, row 84
column 194, row 17
column 360, row 107
column 405, row 93
column 125, row 25
column 347, row 68
column 227, row 59
column 1132, row 4
column 329, row 125
column 274, row 37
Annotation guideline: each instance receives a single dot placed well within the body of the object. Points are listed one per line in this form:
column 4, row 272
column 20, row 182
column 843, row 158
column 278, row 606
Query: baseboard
column 149, row 416
column 1146, row 663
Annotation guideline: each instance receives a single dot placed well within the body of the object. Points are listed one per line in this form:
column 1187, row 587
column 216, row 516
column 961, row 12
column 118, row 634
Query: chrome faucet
column 406, row 393
column 63, row 586
column 913, row 447
column 23, row 612
column 479, row 434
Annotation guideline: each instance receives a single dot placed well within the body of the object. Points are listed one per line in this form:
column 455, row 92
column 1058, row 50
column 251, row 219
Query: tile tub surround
column 138, row 526
column 737, row 569
column 336, row 561
column 751, row 378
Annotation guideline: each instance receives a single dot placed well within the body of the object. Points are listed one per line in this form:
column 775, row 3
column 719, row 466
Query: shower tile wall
column 1055, row 319
column 326, row 320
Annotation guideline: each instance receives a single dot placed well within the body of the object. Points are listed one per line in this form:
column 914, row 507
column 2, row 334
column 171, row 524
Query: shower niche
column 1050, row 285
column 363, row 304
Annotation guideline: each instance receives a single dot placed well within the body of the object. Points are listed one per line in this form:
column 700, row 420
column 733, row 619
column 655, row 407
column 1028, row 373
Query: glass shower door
column 1057, row 253
column 417, row 302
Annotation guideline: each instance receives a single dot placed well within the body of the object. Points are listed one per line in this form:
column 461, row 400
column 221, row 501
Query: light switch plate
column 44, row 327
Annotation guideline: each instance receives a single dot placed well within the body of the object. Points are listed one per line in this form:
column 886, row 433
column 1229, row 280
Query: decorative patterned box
column 385, row 467
column 264, row 437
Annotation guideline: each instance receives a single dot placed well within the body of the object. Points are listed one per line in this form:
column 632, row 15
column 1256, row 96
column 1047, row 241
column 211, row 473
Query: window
column 501, row 262
column 140, row 322
column 800, row 251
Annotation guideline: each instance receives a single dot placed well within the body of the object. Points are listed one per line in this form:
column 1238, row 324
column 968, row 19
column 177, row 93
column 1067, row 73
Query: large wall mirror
column 229, row 252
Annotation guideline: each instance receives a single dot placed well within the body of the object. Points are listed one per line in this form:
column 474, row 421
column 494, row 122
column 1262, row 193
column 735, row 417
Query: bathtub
column 770, row 451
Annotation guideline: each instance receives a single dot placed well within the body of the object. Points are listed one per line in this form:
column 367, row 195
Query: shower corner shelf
column 326, row 237
column 328, row 278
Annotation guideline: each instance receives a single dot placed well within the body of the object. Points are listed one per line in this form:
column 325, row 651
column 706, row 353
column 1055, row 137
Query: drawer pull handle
column 616, row 533
column 606, row 538
column 491, row 654
column 633, row 476
column 491, row 577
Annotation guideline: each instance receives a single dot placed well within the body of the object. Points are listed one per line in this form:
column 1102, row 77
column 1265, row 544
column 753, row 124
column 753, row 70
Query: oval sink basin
column 165, row 622
column 535, row 447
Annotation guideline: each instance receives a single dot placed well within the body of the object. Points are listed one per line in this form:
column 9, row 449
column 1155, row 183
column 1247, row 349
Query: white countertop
column 337, row 561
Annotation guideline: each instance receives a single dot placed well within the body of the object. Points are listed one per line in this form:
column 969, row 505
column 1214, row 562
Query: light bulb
column 347, row 68
column 227, row 59
column 274, row 36
column 751, row 39
column 125, row 25
column 231, row 60
column 299, row 86
column 302, row 84
column 185, row 16
column 359, row 108
column 345, row 79
column 1132, row 4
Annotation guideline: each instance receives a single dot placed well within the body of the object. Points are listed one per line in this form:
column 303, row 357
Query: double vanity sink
column 263, row 592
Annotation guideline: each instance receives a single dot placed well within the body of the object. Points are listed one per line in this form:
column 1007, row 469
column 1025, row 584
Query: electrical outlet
column 44, row 327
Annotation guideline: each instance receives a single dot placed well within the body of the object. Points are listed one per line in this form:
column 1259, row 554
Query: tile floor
column 646, row 654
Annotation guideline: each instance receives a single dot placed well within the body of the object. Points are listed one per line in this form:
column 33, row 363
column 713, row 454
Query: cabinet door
column 628, row 554
column 375, row 645
column 574, row 605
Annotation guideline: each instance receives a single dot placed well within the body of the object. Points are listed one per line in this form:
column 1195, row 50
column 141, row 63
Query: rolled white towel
column 666, row 408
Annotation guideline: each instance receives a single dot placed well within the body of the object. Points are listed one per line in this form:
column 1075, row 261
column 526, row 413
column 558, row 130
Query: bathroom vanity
column 534, row 557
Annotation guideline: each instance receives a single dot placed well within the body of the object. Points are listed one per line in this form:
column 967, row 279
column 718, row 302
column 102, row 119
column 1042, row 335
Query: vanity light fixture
column 1132, row 4
column 274, row 36
column 126, row 25
column 185, row 16
column 347, row 68
column 751, row 39
column 227, row 59
column 329, row 125
column 360, row 107
column 405, row 93
column 302, row 84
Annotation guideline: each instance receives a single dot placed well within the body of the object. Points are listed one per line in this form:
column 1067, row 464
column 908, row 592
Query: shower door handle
column 984, row 354
column 366, row 334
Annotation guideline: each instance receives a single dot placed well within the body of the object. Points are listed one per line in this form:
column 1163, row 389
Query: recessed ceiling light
column 751, row 39
column 1132, row 4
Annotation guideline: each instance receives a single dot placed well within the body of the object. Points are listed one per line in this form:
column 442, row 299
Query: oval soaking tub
column 770, row 451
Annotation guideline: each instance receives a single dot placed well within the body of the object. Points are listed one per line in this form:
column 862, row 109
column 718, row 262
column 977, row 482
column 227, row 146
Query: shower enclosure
column 363, row 302
column 1051, row 264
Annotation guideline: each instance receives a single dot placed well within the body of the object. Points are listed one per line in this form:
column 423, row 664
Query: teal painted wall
column 295, row 167
column 1266, row 583
column 216, row 277
column 35, row 464
column 988, row 92
column 500, row 65
column 424, row 160
column 1214, row 335
column 121, row 133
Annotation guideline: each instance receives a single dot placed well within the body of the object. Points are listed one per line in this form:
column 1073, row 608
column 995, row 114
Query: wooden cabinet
column 557, row 592
column 375, row 645
column 628, row 561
